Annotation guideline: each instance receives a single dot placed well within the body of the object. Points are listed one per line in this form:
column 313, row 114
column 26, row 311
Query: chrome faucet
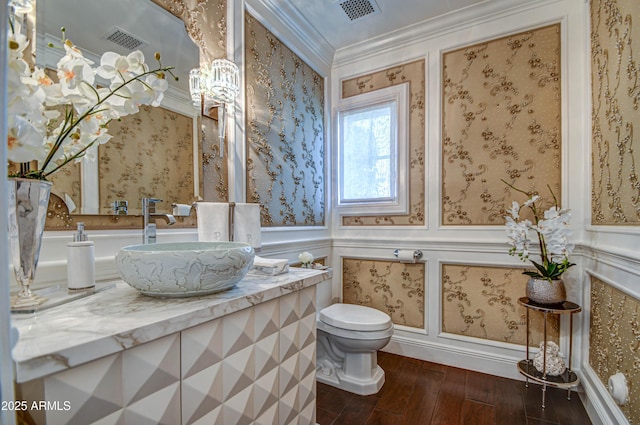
column 149, row 216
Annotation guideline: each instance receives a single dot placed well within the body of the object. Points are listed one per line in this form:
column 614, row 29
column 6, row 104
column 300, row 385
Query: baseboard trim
column 477, row 360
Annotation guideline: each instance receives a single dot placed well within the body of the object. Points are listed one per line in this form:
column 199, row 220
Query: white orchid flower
column 52, row 90
column 531, row 201
column 123, row 101
column 32, row 98
column 553, row 232
column 157, row 86
column 118, row 68
column 72, row 52
column 514, row 211
column 24, row 141
column 17, row 71
column 551, row 213
column 72, row 75
column 17, row 44
column 94, row 139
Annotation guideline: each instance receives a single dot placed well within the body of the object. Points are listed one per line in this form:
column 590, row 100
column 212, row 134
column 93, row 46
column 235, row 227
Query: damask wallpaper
column 614, row 340
column 615, row 53
column 501, row 120
column 389, row 286
column 205, row 22
column 285, row 132
column 214, row 184
column 414, row 74
column 482, row 302
column 159, row 164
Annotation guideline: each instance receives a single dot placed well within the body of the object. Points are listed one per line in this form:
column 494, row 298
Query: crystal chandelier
column 215, row 85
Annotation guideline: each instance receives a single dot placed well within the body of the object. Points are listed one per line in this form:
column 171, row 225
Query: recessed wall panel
column 390, row 286
column 501, row 120
column 614, row 340
column 482, row 302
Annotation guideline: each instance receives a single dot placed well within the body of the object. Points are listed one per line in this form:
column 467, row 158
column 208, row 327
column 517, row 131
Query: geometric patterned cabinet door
column 138, row 386
column 254, row 366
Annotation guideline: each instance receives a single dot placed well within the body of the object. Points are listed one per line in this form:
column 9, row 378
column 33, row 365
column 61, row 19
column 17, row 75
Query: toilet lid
column 355, row 317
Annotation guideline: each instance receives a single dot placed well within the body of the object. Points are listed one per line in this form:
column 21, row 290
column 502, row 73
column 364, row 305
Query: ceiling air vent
column 123, row 38
column 356, row 9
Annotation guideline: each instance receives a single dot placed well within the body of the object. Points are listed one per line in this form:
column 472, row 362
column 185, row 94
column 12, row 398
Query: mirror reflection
column 153, row 153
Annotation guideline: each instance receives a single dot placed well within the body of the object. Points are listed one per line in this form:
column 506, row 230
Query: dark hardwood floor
column 418, row 392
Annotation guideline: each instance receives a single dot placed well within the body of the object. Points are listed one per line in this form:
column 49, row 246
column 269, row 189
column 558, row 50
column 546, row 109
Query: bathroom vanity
column 244, row 356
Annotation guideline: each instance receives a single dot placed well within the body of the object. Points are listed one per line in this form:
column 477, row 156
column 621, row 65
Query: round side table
column 568, row 379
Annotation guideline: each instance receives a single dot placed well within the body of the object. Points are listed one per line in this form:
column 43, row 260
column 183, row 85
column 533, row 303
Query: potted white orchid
column 42, row 140
column 553, row 230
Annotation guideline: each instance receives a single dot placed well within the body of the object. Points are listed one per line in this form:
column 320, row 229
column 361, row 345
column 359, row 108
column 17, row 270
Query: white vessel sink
column 184, row 269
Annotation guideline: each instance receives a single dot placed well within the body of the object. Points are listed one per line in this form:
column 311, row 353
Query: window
column 372, row 152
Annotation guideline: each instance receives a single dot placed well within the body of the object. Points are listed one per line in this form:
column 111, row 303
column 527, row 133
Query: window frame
column 398, row 203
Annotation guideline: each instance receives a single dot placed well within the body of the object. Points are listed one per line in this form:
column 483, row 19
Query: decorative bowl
column 184, row 269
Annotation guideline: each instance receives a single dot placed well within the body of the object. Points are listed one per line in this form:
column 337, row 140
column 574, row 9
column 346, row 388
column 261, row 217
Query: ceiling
column 87, row 21
column 328, row 17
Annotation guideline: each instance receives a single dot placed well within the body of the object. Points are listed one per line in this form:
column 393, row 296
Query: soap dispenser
column 80, row 261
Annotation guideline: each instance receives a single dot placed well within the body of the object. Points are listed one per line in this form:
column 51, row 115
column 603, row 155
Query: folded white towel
column 246, row 224
column 213, row 221
column 270, row 266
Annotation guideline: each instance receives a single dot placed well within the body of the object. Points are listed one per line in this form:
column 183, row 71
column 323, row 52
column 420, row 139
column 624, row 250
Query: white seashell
column 555, row 363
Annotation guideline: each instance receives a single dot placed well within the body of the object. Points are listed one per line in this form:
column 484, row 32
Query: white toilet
column 349, row 337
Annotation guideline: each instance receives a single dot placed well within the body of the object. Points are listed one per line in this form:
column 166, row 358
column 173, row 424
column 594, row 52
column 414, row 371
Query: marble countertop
column 120, row 317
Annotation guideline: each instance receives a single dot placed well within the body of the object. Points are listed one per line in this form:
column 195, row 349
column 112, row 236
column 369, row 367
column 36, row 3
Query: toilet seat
column 355, row 317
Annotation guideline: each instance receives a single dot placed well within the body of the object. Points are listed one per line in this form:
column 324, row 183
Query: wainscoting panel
column 501, row 121
column 615, row 52
column 482, row 302
column 614, row 340
column 389, row 286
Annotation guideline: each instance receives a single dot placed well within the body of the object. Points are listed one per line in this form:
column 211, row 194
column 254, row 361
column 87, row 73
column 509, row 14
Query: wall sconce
column 215, row 86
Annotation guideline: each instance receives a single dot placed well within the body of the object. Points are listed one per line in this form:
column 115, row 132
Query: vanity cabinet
column 254, row 365
column 138, row 386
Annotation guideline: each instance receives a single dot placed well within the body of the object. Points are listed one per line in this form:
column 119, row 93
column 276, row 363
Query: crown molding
column 287, row 23
column 485, row 11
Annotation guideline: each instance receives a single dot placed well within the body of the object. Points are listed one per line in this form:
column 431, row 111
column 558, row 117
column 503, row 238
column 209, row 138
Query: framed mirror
column 157, row 152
